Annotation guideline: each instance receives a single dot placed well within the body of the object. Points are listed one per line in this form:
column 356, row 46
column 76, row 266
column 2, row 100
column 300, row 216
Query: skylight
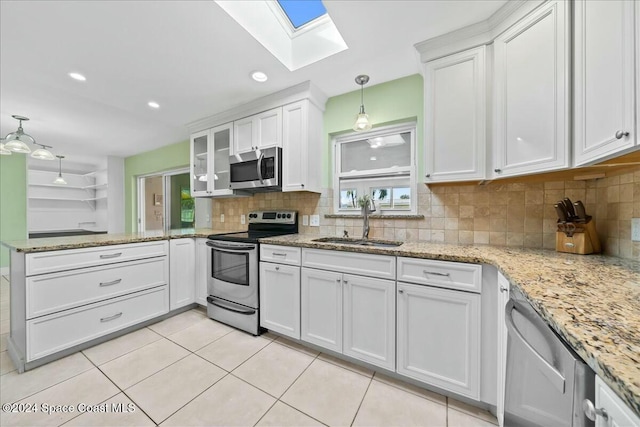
column 301, row 12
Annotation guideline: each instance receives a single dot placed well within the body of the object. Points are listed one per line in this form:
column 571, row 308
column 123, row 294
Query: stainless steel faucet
column 366, row 210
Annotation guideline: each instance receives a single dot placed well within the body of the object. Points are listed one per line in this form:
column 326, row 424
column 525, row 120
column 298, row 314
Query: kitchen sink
column 359, row 242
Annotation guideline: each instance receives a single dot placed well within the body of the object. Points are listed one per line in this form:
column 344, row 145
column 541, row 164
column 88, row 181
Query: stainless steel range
column 232, row 269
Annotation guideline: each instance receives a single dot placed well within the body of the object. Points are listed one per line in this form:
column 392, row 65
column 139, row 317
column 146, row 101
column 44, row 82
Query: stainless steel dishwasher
column 546, row 382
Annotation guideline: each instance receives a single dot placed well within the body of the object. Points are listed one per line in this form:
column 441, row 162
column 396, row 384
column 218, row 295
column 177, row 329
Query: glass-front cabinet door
column 210, row 151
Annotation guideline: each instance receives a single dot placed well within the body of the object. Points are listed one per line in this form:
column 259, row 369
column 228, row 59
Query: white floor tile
column 133, row 367
column 165, row 392
column 200, row 334
column 229, row 402
column 281, row 415
column 233, row 349
column 89, row 388
column 328, row 393
column 176, row 323
column 14, row 386
column 120, row 411
column 471, row 410
column 296, row 346
column 6, row 364
column 274, row 368
column 117, row 347
column 460, row 419
column 384, row 405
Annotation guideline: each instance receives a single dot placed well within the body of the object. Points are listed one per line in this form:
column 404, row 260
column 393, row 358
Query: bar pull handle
column 116, row 255
column 278, row 254
column 111, row 283
column 592, row 412
column 107, row 319
column 435, row 273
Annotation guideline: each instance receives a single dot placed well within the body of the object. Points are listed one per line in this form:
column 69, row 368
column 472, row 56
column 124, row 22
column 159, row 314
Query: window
column 379, row 163
column 301, row 12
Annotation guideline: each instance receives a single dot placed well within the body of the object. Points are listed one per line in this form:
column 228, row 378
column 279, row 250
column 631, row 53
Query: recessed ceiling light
column 259, row 76
column 77, row 76
column 153, row 104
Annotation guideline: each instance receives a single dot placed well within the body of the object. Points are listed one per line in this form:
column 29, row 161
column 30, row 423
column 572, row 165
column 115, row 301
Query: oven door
column 232, row 272
column 256, row 169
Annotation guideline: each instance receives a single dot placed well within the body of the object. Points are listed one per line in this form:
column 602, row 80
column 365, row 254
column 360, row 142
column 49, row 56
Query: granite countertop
column 592, row 301
column 92, row 240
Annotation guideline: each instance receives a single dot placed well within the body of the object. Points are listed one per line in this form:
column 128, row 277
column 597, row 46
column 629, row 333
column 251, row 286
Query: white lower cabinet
column 618, row 414
column 503, row 299
column 439, row 337
column 201, row 271
column 321, row 308
column 181, row 275
column 280, row 298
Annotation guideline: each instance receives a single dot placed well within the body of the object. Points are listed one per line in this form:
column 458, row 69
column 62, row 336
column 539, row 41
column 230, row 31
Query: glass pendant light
column 362, row 122
column 43, row 153
column 16, row 141
column 3, row 150
column 60, row 180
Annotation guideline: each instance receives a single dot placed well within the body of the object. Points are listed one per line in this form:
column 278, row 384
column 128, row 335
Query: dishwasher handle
column 549, row 371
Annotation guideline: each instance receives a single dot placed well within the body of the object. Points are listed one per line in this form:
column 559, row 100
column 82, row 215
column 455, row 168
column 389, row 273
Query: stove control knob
column 288, row 215
column 279, row 216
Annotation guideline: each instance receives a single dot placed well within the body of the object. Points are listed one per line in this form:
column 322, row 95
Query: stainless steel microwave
column 255, row 171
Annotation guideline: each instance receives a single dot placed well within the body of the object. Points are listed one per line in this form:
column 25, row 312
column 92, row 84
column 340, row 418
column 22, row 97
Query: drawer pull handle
column 110, row 256
column 435, row 273
column 278, row 254
column 113, row 282
column 107, row 319
column 277, row 268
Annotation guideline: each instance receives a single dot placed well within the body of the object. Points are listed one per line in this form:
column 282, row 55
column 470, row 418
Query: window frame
column 411, row 170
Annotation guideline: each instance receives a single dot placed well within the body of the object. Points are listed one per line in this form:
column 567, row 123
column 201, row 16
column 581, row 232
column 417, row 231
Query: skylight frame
column 285, row 22
column 289, row 18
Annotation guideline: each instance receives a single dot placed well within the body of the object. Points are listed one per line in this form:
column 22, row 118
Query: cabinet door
column 202, row 251
column 321, row 308
column 618, row 414
column 280, row 298
column 531, row 93
column 220, row 149
column 243, row 135
column 455, row 105
column 439, row 337
column 269, row 128
column 294, row 145
column 604, row 79
column 369, row 315
column 199, row 166
column 503, row 299
column 181, row 273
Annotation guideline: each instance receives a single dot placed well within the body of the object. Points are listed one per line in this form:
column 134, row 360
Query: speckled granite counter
column 592, row 301
column 76, row 242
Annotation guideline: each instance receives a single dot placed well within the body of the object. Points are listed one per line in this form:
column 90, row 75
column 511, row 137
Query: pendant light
column 362, row 122
column 3, row 150
column 60, row 180
column 16, row 141
column 42, row 153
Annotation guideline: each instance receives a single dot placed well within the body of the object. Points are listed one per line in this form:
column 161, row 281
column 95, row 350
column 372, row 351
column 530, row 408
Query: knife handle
column 581, row 212
column 561, row 211
column 570, row 211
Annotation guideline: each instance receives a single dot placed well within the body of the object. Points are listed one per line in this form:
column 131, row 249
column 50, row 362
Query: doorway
column 165, row 202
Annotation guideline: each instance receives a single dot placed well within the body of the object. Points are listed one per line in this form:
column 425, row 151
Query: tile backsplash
column 511, row 214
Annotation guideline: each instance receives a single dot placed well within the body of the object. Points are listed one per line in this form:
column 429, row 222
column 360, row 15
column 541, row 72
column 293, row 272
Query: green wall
column 386, row 103
column 13, row 201
column 169, row 157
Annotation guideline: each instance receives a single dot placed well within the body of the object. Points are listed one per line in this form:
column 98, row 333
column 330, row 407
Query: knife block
column 583, row 241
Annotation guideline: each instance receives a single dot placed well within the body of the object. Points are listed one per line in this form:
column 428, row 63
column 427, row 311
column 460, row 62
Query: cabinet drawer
column 53, row 292
column 50, row 334
column 380, row 266
column 280, row 254
column 444, row 274
column 48, row 262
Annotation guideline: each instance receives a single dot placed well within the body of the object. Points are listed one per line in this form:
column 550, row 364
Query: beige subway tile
column 400, row 234
column 481, row 224
column 534, row 186
column 613, row 210
column 613, row 180
column 590, row 196
column 399, row 223
column 498, row 224
column 624, row 229
column 438, row 189
column 424, row 235
column 481, row 199
column 451, row 199
column 451, row 224
column 626, row 178
column 612, row 246
column 465, row 211
column 576, row 194
column 613, row 194
column 500, row 198
column 437, row 223
column 554, row 185
column 465, row 224
column 437, row 236
column 625, row 249
column 482, row 212
column 451, row 211
column 498, row 238
column 553, row 196
column 469, row 188
column 437, row 199
column 466, row 199
column 626, row 192
column 532, row 197
column 549, row 225
column 575, row 184
column 625, row 210
column 533, row 225
column 451, row 236
column 515, row 224
column 515, row 239
column 534, row 211
column 424, row 223
column 516, row 198
column 549, row 240
column 498, row 211
column 532, row 240
column 465, row 237
column 612, row 229
column 437, row 211
column 481, row 237
column 602, row 210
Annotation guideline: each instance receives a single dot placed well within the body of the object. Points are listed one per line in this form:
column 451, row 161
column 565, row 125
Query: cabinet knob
column 497, row 170
column 338, row 280
column 621, row 133
column 592, row 412
column 277, row 268
column 346, row 282
column 503, row 289
column 400, row 291
column 428, row 175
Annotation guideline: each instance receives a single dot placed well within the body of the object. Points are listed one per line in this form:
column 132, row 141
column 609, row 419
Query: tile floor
column 189, row 370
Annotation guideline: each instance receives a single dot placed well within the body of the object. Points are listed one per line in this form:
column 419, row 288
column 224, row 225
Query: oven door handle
column 260, row 159
column 217, row 303
column 242, row 248
column 549, row 371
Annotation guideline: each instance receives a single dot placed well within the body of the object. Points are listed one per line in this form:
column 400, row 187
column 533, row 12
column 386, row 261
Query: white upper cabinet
column 259, row 131
column 455, row 115
column 604, row 79
column 210, row 151
column 301, row 146
column 531, row 87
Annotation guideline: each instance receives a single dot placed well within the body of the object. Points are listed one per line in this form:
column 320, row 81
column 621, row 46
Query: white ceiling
column 189, row 56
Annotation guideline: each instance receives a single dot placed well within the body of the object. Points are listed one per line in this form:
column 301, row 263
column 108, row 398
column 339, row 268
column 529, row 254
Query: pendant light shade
column 60, row 180
column 362, row 121
column 3, row 150
column 17, row 141
column 42, row 153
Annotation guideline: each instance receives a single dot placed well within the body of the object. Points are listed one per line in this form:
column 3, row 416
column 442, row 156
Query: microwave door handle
column 259, row 166
column 549, row 371
column 231, row 248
